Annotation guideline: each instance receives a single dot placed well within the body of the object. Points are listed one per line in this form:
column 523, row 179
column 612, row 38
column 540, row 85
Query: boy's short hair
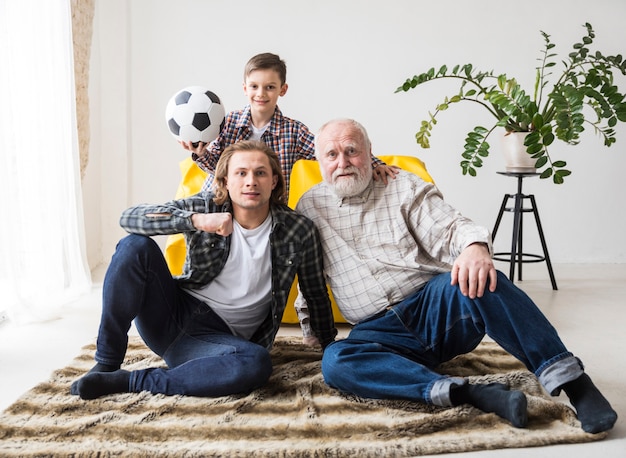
column 267, row 61
column 221, row 171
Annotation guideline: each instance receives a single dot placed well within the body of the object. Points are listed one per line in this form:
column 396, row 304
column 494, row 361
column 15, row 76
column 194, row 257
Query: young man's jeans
column 203, row 357
column 394, row 354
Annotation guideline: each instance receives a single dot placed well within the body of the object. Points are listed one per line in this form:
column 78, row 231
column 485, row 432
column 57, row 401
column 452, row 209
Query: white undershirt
column 241, row 293
column 258, row 132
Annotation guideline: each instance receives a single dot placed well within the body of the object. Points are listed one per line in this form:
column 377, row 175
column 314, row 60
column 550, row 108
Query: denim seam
column 429, row 390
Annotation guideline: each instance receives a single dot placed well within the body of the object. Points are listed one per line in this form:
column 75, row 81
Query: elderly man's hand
column 472, row 269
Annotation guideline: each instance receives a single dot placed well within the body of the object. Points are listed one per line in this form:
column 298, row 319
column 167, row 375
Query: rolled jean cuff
column 440, row 392
column 562, row 371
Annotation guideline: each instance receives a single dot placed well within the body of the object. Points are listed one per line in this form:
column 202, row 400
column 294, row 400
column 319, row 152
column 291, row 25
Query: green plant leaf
column 547, row 139
column 620, row 111
column 543, row 160
column 532, row 138
column 547, row 173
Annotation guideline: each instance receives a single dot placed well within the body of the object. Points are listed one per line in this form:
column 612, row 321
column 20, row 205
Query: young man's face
column 263, row 88
column 250, row 181
column 345, row 162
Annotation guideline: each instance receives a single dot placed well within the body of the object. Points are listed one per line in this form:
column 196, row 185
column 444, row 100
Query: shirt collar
column 246, row 120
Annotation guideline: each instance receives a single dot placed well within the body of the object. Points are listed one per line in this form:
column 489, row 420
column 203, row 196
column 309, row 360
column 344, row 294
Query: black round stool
column 517, row 255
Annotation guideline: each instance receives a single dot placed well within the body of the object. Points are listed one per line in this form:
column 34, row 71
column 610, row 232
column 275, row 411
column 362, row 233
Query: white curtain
column 42, row 247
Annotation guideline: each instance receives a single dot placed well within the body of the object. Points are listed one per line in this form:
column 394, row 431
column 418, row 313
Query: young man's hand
column 311, row 341
column 219, row 223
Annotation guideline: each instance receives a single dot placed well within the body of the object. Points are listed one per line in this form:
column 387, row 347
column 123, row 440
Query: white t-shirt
column 241, row 294
column 258, row 132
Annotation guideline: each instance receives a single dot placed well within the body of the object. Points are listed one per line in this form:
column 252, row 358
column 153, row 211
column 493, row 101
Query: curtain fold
column 42, row 241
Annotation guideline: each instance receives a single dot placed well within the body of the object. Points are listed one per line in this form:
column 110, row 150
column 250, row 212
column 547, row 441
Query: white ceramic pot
column 516, row 159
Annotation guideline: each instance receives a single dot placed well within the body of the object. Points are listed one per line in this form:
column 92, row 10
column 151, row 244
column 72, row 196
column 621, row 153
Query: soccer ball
column 195, row 114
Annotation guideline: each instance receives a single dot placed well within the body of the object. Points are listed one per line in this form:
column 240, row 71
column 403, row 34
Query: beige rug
column 295, row 415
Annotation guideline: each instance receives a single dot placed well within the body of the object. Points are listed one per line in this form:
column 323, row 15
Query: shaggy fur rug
column 295, row 415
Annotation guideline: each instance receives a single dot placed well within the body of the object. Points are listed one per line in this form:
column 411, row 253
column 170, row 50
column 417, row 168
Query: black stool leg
column 544, row 245
column 499, row 218
column 515, row 242
column 520, row 240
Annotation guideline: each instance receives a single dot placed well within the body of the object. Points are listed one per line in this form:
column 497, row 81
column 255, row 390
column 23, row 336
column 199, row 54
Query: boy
column 265, row 77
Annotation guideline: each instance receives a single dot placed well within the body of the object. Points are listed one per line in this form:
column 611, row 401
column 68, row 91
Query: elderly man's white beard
column 348, row 187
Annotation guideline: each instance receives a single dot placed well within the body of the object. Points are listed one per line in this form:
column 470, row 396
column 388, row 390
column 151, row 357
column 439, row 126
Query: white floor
column 588, row 310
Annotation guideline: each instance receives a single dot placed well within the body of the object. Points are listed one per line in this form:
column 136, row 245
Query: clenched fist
column 219, row 223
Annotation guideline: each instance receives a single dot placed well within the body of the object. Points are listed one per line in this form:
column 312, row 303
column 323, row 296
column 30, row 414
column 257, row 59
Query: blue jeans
column 203, row 357
column 394, row 354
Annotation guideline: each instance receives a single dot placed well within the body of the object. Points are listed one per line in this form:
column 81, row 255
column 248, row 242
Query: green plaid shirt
column 295, row 247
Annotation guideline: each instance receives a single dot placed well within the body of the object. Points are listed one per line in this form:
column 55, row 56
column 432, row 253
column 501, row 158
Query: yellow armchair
column 305, row 174
column 192, row 178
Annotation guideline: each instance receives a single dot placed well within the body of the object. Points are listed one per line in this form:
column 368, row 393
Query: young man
column 213, row 325
column 264, row 82
column 417, row 280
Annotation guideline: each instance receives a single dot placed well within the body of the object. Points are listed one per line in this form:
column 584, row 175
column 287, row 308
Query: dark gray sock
column 592, row 409
column 496, row 398
column 96, row 384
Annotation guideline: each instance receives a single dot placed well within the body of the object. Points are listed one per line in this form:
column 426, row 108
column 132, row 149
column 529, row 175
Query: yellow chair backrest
column 304, row 175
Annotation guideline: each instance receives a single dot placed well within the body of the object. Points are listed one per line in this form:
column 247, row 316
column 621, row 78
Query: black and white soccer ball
column 195, row 114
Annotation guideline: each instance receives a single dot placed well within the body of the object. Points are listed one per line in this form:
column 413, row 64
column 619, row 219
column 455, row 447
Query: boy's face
column 263, row 88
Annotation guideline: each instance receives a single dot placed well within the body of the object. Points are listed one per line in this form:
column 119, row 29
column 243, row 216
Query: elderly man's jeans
column 394, row 354
column 203, row 357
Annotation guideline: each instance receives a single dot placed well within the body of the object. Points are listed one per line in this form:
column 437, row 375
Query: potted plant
column 555, row 111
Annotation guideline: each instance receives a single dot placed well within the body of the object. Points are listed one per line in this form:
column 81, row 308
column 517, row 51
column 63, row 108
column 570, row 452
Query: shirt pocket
column 287, row 259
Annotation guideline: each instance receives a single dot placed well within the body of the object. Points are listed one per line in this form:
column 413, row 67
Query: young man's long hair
column 221, row 171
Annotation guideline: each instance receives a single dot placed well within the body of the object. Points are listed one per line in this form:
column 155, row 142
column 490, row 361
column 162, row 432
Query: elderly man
column 417, row 280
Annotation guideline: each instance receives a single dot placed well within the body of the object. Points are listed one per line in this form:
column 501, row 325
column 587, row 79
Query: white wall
column 346, row 58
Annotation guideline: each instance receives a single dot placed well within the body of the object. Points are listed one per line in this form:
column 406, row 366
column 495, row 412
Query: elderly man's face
column 344, row 160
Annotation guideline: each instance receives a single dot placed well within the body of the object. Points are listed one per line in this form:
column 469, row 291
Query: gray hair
column 353, row 124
